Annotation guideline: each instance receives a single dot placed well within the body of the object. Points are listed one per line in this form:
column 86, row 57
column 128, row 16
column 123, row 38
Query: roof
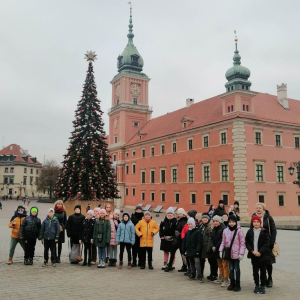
column 18, row 152
column 206, row 112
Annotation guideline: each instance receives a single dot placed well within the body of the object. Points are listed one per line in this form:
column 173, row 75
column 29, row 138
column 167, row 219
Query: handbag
column 276, row 250
column 227, row 251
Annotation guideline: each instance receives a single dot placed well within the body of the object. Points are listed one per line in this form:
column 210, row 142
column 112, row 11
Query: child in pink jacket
column 237, row 251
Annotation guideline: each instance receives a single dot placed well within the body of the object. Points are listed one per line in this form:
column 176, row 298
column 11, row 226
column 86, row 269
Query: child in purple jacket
column 237, row 251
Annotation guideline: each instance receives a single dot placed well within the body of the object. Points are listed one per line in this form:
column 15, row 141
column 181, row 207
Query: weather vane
column 130, row 4
column 90, row 56
column 236, row 39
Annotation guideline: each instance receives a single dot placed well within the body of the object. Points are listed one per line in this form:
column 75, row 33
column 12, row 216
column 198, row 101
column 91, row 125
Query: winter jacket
column 145, row 230
column 87, row 230
column 102, row 232
column 238, row 246
column 73, row 227
column 113, row 231
column 219, row 211
column 167, row 229
column 126, row 233
column 30, row 228
column 50, row 229
column 263, row 245
column 216, row 238
column 210, row 213
column 18, row 219
column 205, row 230
column 192, row 242
column 177, row 243
column 135, row 218
column 233, row 212
column 62, row 219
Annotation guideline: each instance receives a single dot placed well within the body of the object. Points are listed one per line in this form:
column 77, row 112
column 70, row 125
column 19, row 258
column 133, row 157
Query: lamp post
column 292, row 169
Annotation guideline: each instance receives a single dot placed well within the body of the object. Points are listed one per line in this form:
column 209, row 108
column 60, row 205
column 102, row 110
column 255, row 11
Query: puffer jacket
column 126, row 233
column 31, row 226
column 102, row 233
column 145, row 230
column 177, row 243
column 50, row 229
column 18, row 219
column 238, row 246
column 113, row 230
column 192, row 242
column 216, row 238
column 167, row 228
column 87, row 230
column 73, row 227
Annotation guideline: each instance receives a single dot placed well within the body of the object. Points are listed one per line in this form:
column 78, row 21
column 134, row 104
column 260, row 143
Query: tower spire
column 130, row 34
column 236, row 57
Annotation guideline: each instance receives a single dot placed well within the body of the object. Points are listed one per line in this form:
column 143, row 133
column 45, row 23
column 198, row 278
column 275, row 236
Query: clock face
column 135, row 89
column 118, row 90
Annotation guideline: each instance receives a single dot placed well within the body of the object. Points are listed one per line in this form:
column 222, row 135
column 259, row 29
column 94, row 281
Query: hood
column 37, row 210
column 16, row 214
column 52, row 218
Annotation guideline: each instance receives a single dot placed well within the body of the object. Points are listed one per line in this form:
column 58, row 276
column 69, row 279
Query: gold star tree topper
column 90, row 56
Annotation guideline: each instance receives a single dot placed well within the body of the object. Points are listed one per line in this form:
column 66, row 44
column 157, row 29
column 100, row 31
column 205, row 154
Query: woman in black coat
column 269, row 225
column 60, row 214
column 74, row 225
column 220, row 210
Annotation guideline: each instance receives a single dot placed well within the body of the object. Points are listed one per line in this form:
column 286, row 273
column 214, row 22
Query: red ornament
column 82, row 163
column 79, row 178
column 57, row 193
column 78, row 122
column 94, row 111
column 83, row 143
column 68, row 185
column 77, row 156
column 90, row 185
column 92, row 193
column 92, row 162
column 93, row 150
column 73, row 170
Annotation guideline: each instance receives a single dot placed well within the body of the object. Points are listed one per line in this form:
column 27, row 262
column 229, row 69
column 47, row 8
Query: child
column 235, row 210
column 101, row 236
column 15, row 223
column 167, row 234
column 86, row 236
column 216, row 240
column 135, row 218
column 146, row 229
column 225, row 218
column 258, row 244
column 235, row 233
column 113, row 246
column 49, row 235
column 61, row 215
column 191, row 246
column 30, row 231
column 126, row 238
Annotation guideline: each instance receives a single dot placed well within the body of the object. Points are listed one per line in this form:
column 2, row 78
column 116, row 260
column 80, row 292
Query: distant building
column 234, row 146
column 19, row 172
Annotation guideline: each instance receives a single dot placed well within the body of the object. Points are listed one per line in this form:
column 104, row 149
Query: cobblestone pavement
column 68, row 281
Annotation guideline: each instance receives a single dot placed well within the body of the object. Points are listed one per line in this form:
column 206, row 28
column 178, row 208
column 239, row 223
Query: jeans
column 87, row 252
column 234, row 265
column 113, row 252
column 128, row 249
column 58, row 250
column 13, row 244
column 29, row 248
column 258, row 266
column 49, row 244
column 102, row 253
column 195, row 265
column 143, row 251
column 223, row 265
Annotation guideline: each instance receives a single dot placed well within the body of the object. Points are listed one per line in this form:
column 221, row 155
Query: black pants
column 258, row 266
column 128, row 249
column 87, row 252
column 58, row 250
column 49, row 244
column 195, row 266
column 143, row 251
column 269, row 270
column 29, row 248
column 173, row 252
column 213, row 266
column 94, row 252
column 136, row 250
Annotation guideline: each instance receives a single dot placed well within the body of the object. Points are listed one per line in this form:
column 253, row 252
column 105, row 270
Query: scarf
column 232, row 228
column 57, row 210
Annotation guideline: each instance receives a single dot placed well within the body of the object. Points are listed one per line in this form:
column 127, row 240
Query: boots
column 183, row 269
column 30, row 261
column 110, row 264
column 84, row 263
column 120, row 265
column 10, row 261
column 26, row 262
column 142, row 265
column 150, row 265
column 225, row 283
column 100, row 264
column 212, row 278
column 219, row 280
column 58, row 260
column 237, row 286
column 129, row 265
column 134, row 263
column 169, row 268
column 114, row 263
column 232, row 285
column 269, row 282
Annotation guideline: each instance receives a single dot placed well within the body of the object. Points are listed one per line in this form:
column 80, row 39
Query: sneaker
column 133, row 265
column 188, row 273
column 165, row 265
column 103, row 264
column 53, row 264
column 211, row 278
column 100, row 264
column 269, row 282
column 183, row 269
column 192, row 277
column 256, row 290
column 262, row 289
column 220, row 280
column 225, row 283
column 45, row 264
column 200, row 279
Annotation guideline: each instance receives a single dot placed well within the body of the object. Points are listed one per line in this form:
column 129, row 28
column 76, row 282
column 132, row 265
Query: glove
column 152, row 233
column 221, row 255
column 241, row 257
column 185, row 253
column 213, row 249
column 197, row 254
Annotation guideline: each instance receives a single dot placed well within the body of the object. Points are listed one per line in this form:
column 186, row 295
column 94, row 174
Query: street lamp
column 292, row 169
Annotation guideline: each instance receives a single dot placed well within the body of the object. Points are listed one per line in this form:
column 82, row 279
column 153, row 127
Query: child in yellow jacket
column 146, row 229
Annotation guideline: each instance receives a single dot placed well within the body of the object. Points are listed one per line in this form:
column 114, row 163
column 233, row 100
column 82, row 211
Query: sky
column 187, row 46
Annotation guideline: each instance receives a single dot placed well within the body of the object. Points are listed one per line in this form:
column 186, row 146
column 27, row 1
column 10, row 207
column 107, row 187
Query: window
column 127, row 154
column 298, row 199
column 133, row 191
column 174, row 147
column 228, row 109
column 115, row 157
column 134, row 59
column 191, row 174
column 143, row 152
column 152, row 176
column 126, row 191
column 174, row 175
column 205, row 141
column 37, row 172
column 247, row 107
column 31, row 171
column 259, row 172
column 193, row 198
column 281, row 199
column 11, row 180
column 278, row 140
column 118, row 101
column 224, row 172
column 135, row 101
column 280, row 177
column 162, row 149
column 152, row 151
column 31, row 180
column 152, row 196
column 163, row 197
column 24, row 180
column 5, row 180
column 206, row 171
column 231, row 107
column 143, row 177
column 184, row 124
column 163, row 176
column 258, row 138
column 135, row 124
column 133, row 153
column 207, row 198
column 177, row 197
column 225, row 198
column 126, row 169
column 261, row 198
column 297, row 142
column 116, row 139
column 243, row 107
column 190, row 144
column 25, row 170
column 143, row 196
column 6, row 170
column 12, row 170
column 133, row 168
column 223, row 138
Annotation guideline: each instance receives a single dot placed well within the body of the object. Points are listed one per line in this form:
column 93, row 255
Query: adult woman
column 269, row 225
column 211, row 210
column 235, row 210
column 109, row 215
column 60, row 214
column 220, row 210
column 74, row 225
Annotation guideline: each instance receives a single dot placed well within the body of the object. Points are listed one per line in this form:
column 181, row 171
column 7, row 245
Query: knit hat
column 97, row 209
column 117, row 211
column 236, row 203
column 170, row 210
column 191, row 221
column 255, row 218
column 77, row 206
column 147, row 213
column 102, row 211
column 232, row 218
column 138, row 207
column 181, row 211
column 126, row 214
column 50, row 209
column 206, row 216
column 21, row 207
column 91, row 212
column 221, row 201
column 33, row 209
column 192, row 213
column 218, row 218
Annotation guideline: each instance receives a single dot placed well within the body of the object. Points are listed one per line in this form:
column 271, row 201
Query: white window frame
column 176, row 193
column 126, row 191
column 143, row 192
column 133, row 168
column 203, row 136
column 172, row 168
column 281, row 164
column 175, row 142
column 162, row 169
column 261, row 194
column 143, row 149
column 127, row 154
column 225, row 193
column 143, row 171
column 203, row 173
column 223, row 163
column 162, row 145
column 162, row 192
column 127, row 169
column 135, row 122
column 188, row 146
column 259, row 162
column 133, row 189
column 296, row 136
column 261, row 136
column 115, row 157
column 193, row 193
column 281, row 142
column 207, row 193
column 152, row 170
column 152, row 147
column 133, row 152
column 187, row 169
column 223, row 131
column 115, row 138
column 281, row 194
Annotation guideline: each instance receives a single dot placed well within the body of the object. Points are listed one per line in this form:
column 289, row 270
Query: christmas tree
column 87, row 171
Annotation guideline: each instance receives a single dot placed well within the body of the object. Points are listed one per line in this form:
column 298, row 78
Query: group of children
column 223, row 245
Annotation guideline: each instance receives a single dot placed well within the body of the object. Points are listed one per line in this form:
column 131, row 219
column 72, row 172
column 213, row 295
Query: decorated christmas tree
column 87, row 172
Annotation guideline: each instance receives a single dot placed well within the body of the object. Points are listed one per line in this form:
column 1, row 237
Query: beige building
column 19, row 172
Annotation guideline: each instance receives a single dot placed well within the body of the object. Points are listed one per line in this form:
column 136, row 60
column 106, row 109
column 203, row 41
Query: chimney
column 282, row 96
column 189, row 102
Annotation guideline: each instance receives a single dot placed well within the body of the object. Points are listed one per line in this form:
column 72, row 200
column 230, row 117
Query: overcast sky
column 187, row 46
